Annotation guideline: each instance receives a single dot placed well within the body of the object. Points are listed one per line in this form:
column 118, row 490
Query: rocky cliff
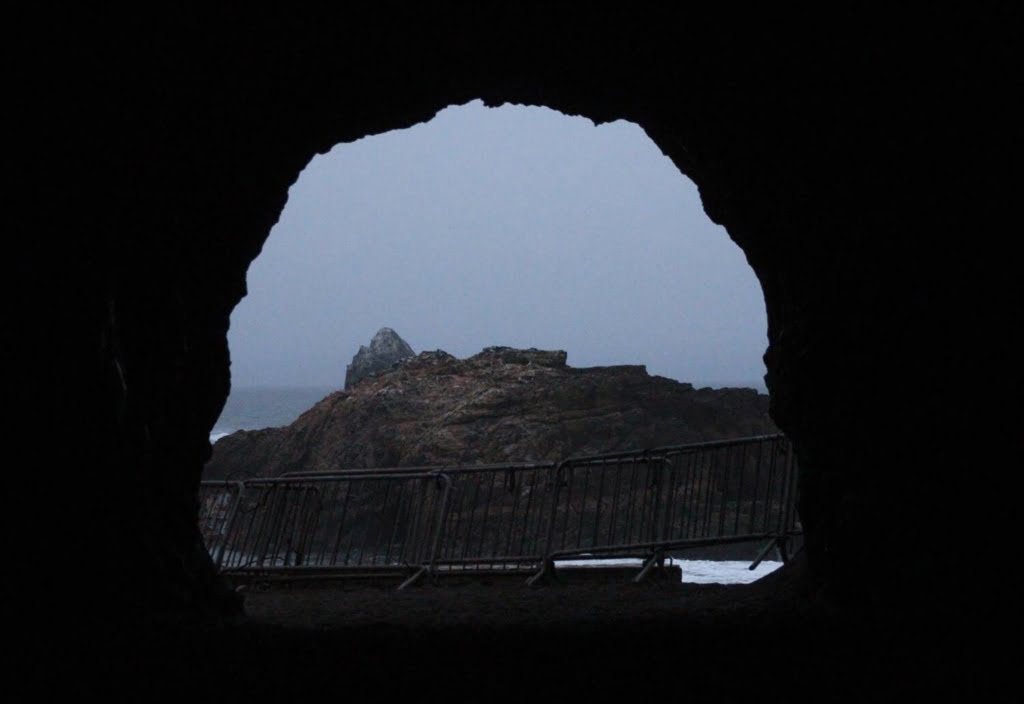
column 386, row 348
column 502, row 404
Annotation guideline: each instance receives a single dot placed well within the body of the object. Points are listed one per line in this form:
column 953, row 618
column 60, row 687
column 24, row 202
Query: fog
column 513, row 226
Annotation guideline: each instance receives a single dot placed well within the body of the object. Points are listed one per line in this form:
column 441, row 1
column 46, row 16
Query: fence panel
column 630, row 503
column 363, row 521
column 604, row 501
column 496, row 517
column 728, row 490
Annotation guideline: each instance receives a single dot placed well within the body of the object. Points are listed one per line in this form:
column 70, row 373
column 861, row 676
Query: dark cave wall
column 864, row 170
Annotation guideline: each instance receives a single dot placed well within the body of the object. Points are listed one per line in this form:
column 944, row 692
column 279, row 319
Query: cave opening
column 515, row 227
column 866, row 166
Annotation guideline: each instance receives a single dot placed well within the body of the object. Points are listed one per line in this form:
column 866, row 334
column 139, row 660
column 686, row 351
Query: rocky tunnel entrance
column 502, row 228
column 866, row 171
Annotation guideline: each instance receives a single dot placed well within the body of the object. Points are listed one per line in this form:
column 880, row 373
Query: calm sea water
column 265, row 407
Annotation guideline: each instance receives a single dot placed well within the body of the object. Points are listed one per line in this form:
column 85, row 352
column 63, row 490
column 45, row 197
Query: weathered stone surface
column 386, row 348
column 502, row 404
column 868, row 168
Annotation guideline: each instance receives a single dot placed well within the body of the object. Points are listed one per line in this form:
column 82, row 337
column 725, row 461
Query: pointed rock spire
column 386, row 348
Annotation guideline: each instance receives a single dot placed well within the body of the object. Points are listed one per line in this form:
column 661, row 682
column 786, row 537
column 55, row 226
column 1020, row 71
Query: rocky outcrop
column 500, row 405
column 386, row 348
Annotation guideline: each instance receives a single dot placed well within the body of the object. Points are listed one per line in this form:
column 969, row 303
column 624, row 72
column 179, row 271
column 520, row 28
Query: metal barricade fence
column 497, row 513
column 505, row 517
column 361, row 522
column 640, row 504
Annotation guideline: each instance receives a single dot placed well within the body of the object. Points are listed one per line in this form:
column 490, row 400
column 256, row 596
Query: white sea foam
column 697, row 571
column 218, row 434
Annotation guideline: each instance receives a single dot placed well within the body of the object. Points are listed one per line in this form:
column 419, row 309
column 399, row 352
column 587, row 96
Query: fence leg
column 773, row 543
column 547, row 573
column 413, row 579
column 657, row 559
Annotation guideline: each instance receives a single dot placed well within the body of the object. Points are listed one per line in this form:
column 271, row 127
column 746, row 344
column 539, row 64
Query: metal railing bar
column 625, row 549
column 412, row 469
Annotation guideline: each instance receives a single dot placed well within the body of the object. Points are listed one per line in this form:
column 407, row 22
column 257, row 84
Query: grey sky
column 511, row 226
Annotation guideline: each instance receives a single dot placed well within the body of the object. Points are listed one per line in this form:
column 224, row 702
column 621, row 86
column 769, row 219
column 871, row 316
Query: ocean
column 258, row 407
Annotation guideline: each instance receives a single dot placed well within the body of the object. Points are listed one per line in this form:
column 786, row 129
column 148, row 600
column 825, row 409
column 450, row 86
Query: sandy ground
column 480, row 603
column 574, row 640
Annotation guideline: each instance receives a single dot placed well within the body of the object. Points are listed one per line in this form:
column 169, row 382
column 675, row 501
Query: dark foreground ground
column 580, row 639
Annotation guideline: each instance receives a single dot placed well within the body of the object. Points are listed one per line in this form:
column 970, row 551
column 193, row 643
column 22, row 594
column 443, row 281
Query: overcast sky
column 512, row 226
